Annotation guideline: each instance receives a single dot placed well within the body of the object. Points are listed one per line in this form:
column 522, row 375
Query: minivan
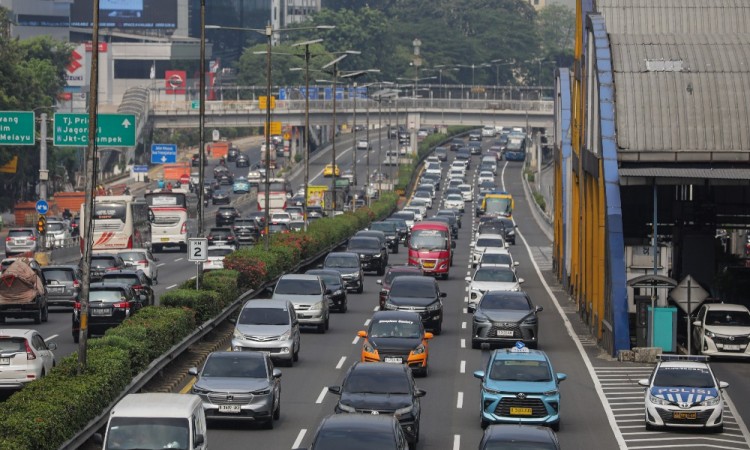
column 350, row 268
column 156, row 420
column 268, row 326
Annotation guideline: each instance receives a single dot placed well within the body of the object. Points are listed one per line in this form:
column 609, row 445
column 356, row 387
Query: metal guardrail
column 160, row 363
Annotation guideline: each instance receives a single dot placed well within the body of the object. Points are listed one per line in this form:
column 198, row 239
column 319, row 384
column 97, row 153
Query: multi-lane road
column 601, row 406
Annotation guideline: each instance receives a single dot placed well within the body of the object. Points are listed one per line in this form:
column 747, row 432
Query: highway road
column 601, row 405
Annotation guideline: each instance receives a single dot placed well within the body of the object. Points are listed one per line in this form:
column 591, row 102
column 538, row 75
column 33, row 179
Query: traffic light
column 41, row 225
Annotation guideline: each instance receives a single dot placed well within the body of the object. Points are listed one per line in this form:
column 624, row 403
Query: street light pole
column 367, row 150
column 354, row 149
column 267, row 188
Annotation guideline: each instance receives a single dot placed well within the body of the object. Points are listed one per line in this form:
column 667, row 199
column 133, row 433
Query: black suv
column 109, row 305
column 391, row 231
column 105, row 262
column 196, row 160
column 421, row 295
column 221, row 236
column 371, row 254
column 376, row 388
column 137, row 280
column 232, row 153
column 223, row 176
column 333, row 282
column 242, row 160
column 247, row 231
column 456, row 143
column 226, row 215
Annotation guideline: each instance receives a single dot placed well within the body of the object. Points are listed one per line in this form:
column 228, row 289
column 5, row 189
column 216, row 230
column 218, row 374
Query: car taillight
column 260, row 208
column 76, row 284
column 122, row 305
column 284, row 207
column 144, row 262
column 230, row 238
column 183, row 230
column 8, row 239
column 77, row 306
column 130, row 242
column 29, row 352
column 32, row 238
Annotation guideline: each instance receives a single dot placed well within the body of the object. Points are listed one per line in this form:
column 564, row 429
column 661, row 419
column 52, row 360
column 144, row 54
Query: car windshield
column 102, row 263
column 346, row 438
column 520, row 370
column 58, row 274
column 496, row 258
column 121, row 278
column 342, row 262
column 406, row 215
column 393, row 274
column 56, row 226
column 489, row 242
column 728, row 318
column 694, row 377
column 413, row 290
column 428, row 240
column 377, row 382
column 330, row 280
column 456, row 197
column 219, row 252
column 295, row 286
column 126, row 433
column 514, row 302
column 113, row 296
column 493, row 274
column 263, row 316
column 133, row 256
column 491, row 227
column 364, row 243
column 20, row 233
column 233, row 366
column 219, row 234
column 395, row 328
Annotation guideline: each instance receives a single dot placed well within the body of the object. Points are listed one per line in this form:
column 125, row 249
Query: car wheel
column 381, row 270
column 344, row 306
column 475, row 344
column 45, row 314
column 38, row 316
column 328, row 318
column 555, row 426
column 436, row 330
column 76, row 338
column 295, row 355
column 361, row 288
column 395, row 249
column 277, row 411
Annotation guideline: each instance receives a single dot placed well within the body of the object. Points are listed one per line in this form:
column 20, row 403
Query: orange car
column 397, row 337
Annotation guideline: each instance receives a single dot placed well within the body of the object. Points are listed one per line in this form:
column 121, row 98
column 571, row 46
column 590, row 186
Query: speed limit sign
column 197, row 249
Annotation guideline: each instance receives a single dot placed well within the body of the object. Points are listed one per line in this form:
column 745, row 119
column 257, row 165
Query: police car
column 683, row 392
column 519, row 386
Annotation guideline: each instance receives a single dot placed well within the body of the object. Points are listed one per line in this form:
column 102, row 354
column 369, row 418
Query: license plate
column 428, row 265
column 516, row 411
column 101, row 312
column 681, row 415
column 4, row 361
column 231, row 409
column 165, row 239
column 393, row 360
column 734, row 347
column 56, row 289
column 20, row 241
column 505, row 333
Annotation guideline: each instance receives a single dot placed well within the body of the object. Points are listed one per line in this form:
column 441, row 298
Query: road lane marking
column 460, row 400
column 341, row 362
column 463, row 343
column 462, row 368
column 356, row 339
column 456, row 441
column 300, row 436
column 188, row 386
column 367, row 322
column 463, row 325
column 51, row 337
column 376, row 308
column 161, row 264
column 465, row 310
column 178, row 260
column 322, row 395
column 171, row 287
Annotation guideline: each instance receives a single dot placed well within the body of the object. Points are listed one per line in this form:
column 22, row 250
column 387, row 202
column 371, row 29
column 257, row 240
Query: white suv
column 24, row 357
column 488, row 131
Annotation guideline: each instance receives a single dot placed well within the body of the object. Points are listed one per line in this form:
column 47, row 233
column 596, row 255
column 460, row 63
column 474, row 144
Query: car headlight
column 435, row 306
column 337, row 292
column 403, row 411
column 713, row 401
column 419, row 350
column 530, row 321
column 346, row 408
column 376, row 256
column 237, row 335
column 285, row 336
column 318, row 305
column 552, row 392
column 391, row 306
column 263, row 392
column 368, row 348
column 657, row 400
column 490, row 391
column 710, row 334
column 481, row 318
column 197, row 390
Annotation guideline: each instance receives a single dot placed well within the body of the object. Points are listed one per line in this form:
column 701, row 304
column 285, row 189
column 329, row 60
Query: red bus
column 431, row 247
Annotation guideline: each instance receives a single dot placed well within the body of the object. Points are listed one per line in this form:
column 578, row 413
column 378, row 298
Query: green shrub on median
column 204, row 303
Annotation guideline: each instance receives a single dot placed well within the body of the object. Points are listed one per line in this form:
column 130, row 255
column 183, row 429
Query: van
column 391, row 158
column 156, row 420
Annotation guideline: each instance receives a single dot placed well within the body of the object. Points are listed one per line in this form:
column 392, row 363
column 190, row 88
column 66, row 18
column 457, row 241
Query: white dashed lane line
column 341, row 362
column 322, row 395
column 460, row 400
column 171, row 287
column 300, row 437
column 356, row 339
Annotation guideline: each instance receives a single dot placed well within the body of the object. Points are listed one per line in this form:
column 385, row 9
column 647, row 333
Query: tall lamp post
column 268, row 32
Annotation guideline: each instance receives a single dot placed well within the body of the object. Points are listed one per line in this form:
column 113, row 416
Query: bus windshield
column 428, row 240
column 494, row 205
column 105, row 211
column 166, row 199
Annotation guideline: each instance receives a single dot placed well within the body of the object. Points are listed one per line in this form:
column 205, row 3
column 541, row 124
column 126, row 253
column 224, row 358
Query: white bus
column 280, row 191
column 173, row 218
column 120, row 222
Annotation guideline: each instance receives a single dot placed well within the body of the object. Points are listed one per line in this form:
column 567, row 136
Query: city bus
column 280, row 190
column 497, row 203
column 120, row 222
column 430, row 246
column 173, row 218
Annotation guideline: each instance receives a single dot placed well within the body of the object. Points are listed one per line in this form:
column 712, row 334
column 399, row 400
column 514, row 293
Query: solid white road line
column 171, row 287
column 460, row 400
column 356, row 339
column 341, row 362
column 300, row 436
column 322, row 395
column 161, row 264
column 569, row 327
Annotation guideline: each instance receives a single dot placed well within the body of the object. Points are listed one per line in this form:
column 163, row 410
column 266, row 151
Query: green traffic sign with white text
column 115, row 130
column 17, row 128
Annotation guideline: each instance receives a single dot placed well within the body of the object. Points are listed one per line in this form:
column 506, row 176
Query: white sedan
column 454, row 201
column 24, row 357
column 722, row 329
column 485, row 176
column 216, row 254
column 491, row 279
column 484, row 242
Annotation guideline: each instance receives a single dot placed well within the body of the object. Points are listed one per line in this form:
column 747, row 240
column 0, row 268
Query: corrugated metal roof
column 686, row 172
column 675, row 16
column 704, row 108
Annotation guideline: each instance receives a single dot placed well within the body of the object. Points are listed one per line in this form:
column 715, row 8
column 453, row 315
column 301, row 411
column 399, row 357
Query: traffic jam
column 456, row 226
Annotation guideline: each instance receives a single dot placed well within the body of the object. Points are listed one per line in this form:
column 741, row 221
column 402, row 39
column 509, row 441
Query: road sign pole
column 43, row 173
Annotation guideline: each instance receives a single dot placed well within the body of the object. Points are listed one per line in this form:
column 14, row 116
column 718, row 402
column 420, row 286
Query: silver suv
column 21, row 240
column 268, row 326
column 350, row 268
column 309, row 296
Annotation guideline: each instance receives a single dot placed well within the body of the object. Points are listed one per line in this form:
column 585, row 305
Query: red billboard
column 175, row 81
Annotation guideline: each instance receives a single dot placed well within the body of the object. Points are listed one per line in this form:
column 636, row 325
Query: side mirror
column 97, row 438
column 643, row 382
column 561, row 377
column 428, row 335
column 443, row 294
column 193, row 371
column 723, row 385
column 697, row 323
column 479, row 374
column 52, row 346
column 329, row 292
column 378, row 281
column 276, row 373
column 362, row 333
column 468, row 279
column 419, row 393
column 199, row 440
column 334, row 390
column 470, row 309
column 520, row 281
column 539, row 309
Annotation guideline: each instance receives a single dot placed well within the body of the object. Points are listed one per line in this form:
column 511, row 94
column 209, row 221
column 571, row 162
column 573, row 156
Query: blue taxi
column 519, row 386
column 241, row 186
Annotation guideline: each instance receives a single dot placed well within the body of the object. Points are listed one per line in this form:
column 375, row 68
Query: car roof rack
column 694, row 358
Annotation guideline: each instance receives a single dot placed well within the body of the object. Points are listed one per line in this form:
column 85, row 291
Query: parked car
column 268, row 326
column 24, row 357
column 21, row 240
column 63, row 284
column 309, row 296
column 382, row 388
column 109, row 305
column 239, row 386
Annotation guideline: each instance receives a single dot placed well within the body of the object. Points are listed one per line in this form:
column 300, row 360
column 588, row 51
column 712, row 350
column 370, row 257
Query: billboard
column 125, row 13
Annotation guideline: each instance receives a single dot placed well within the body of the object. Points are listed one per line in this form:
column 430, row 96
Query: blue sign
column 163, row 153
column 140, row 169
column 42, row 207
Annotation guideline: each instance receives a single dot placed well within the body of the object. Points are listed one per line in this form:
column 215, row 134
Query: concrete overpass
column 419, row 112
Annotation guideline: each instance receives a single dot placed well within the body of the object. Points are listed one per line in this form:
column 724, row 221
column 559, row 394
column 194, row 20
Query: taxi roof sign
column 520, row 347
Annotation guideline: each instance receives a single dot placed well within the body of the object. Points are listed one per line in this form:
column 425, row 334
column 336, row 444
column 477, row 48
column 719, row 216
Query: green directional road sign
column 195, row 104
column 114, row 130
column 17, row 128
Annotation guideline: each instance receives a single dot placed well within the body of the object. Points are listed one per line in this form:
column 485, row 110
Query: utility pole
column 354, row 149
column 367, row 155
column 43, row 172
